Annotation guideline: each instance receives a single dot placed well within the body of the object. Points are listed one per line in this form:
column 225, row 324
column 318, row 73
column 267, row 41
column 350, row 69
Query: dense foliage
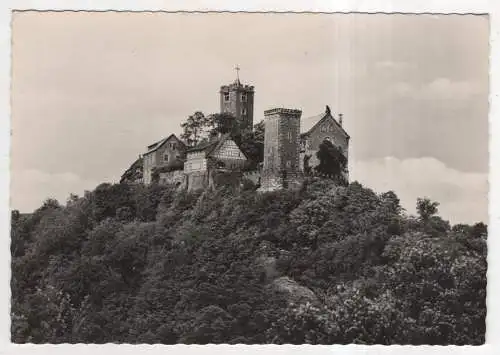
column 326, row 264
column 199, row 127
column 332, row 162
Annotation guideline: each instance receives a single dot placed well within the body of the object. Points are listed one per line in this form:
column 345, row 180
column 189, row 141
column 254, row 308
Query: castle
column 290, row 146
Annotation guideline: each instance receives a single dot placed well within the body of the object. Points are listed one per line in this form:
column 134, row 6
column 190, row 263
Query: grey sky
column 91, row 90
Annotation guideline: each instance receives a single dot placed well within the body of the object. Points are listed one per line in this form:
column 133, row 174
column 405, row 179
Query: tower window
column 244, row 97
column 226, row 96
column 288, row 163
column 243, row 111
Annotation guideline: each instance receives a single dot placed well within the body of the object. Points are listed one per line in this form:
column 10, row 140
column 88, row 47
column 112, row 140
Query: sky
column 91, row 90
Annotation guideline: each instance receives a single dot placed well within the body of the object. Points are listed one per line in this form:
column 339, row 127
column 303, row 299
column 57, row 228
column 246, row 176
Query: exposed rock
column 293, row 291
column 268, row 266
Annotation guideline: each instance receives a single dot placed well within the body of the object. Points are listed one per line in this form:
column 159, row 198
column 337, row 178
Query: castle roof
column 210, row 146
column 204, row 146
column 309, row 123
column 155, row 146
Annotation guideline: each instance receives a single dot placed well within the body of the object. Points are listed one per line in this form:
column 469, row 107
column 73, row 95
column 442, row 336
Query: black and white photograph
column 249, row 178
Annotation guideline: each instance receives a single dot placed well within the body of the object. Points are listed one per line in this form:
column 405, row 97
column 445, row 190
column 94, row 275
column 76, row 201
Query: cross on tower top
column 237, row 68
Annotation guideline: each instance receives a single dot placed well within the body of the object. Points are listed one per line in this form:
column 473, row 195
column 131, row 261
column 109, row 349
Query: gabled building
column 315, row 130
column 291, row 142
column 214, row 162
column 168, row 153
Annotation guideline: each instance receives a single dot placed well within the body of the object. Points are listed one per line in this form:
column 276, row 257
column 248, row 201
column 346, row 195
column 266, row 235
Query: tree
column 251, row 142
column 14, row 216
column 199, row 127
column 194, row 128
column 49, row 204
column 224, row 123
column 200, row 267
column 331, row 161
column 426, row 208
column 259, row 131
column 72, row 199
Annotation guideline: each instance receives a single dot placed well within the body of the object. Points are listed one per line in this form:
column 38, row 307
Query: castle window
column 244, row 97
column 226, row 96
column 165, row 158
column 243, row 111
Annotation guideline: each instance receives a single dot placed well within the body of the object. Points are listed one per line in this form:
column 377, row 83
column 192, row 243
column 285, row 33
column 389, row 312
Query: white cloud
column 455, row 90
column 438, row 89
column 29, row 188
column 392, row 65
column 463, row 196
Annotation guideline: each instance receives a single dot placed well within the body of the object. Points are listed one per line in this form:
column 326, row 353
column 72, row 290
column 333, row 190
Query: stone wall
column 253, row 176
column 229, row 178
column 197, row 180
column 168, row 155
column 176, row 177
column 289, row 147
column 165, row 156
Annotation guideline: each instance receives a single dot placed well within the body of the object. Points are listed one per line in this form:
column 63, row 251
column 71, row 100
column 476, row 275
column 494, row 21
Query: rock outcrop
column 293, row 291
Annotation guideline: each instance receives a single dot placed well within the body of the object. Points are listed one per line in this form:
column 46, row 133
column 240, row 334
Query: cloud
column 29, row 188
column 439, row 89
column 392, row 65
column 463, row 196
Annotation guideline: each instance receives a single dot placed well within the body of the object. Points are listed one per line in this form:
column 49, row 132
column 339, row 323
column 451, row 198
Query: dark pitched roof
column 210, row 146
column 203, row 146
column 309, row 123
column 155, row 146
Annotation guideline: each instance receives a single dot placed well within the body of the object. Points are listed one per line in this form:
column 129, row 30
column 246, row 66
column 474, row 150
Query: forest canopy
column 326, row 264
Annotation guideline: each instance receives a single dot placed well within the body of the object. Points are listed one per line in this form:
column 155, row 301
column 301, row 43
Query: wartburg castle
column 290, row 149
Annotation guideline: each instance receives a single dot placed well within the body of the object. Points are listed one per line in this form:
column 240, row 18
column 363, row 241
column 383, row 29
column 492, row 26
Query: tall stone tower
column 237, row 99
column 281, row 149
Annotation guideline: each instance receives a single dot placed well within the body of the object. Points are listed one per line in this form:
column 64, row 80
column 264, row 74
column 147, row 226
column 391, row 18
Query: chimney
column 340, row 119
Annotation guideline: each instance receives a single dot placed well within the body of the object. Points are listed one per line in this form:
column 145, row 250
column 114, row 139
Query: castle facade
column 290, row 146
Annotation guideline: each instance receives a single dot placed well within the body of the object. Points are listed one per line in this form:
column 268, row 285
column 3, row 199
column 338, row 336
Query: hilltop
column 324, row 264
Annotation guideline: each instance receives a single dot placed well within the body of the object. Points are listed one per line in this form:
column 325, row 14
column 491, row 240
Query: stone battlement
column 236, row 86
column 283, row 111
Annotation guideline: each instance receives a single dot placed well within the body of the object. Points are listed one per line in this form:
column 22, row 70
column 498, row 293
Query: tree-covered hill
column 323, row 265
